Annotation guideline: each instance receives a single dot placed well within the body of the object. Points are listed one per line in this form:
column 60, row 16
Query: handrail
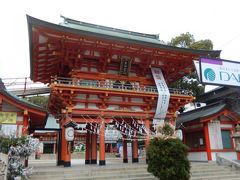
column 110, row 85
column 227, row 162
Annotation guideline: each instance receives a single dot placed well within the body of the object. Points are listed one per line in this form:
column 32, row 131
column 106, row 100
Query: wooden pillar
column 102, row 144
column 54, row 148
column 59, row 147
column 25, row 130
column 94, row 149
column 87, row 150
column 66, row 150
column 17, row 130
column 125, row 155
column 238, row 155
column 135, row 148
column 25, row 123
column 207, row 141
column 147, row 140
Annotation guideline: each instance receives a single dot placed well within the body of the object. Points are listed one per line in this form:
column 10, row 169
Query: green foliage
column 41, row 101
column 189, row 82
column 202, row 44
column 168, row 159
column 184, row 40
column 166, row 130
column 7, row 141
column 187, row 40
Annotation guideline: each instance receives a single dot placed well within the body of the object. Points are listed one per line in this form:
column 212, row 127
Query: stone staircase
column 212, row 171
column 113, row 170
column 116, row 170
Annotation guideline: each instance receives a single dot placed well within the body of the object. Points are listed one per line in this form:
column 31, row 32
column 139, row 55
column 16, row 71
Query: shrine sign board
column 8, row 117
column 219, row 72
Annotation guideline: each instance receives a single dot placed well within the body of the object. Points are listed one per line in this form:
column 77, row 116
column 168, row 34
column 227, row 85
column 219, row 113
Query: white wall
column 227, row 155
column 197, row 156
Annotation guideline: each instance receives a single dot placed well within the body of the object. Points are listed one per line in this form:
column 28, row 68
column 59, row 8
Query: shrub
column 168, row 159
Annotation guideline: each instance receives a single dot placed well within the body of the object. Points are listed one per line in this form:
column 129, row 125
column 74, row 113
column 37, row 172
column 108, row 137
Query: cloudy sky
column 217, row 20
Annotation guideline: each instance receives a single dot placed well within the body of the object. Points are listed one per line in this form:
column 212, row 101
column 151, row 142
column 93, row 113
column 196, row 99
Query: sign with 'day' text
column 219, row 72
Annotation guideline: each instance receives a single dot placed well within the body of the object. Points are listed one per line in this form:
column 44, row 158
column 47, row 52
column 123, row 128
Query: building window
column 226, row 139
column 195, row 140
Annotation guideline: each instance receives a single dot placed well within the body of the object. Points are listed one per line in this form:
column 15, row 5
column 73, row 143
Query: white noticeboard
column 215, row 135
column 163, row 93
column 219, row 72
column 69, row 134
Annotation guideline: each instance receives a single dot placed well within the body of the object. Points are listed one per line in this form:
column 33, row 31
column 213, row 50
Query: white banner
column 215, row 135
column 163, row 94
column 220, row 72
column 197, row 67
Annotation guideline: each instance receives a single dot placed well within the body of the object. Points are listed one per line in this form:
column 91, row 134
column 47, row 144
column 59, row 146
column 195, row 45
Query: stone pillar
column 94, row 149
column 207, row 141
column 87, row 150
column 102, row 144
column 147, row 140
column 125, row 155
column 135, row 148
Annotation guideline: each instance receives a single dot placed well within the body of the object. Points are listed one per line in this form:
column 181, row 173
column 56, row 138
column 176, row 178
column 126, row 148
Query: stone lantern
column 237, row 137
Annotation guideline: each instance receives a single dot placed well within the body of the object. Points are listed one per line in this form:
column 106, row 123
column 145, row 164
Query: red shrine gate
column 101, row 76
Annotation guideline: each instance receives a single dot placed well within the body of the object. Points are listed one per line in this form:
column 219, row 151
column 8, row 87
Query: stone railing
column 227, row 162
column 115, row 86
column 3, row 166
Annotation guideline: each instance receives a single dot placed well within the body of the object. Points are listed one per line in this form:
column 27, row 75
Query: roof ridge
column 107, row 28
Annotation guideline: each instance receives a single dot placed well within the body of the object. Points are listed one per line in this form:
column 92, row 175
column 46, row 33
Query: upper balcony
column 113, row 86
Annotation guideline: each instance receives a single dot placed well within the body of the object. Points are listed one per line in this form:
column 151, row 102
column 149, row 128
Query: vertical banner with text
column 163, row 95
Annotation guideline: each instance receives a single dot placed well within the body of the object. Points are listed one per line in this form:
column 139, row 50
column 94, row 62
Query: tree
column 187, row 40
column 41, row 101
column 190, row 82
column 167, row 155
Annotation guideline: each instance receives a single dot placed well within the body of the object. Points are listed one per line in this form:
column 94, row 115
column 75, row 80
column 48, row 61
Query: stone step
column 209, row 170
column 99, row 177
column 92, row 173
column 88, row 170
column 217, row 177
column 216, row 173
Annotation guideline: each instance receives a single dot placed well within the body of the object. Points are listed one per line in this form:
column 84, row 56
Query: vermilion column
column 125, row 155
column 135, row 149
column 25, row 123
column 65, row 150
column 25, row 130
column 87, row 150
column 94, row 149
column 147, row 140
column 207, row 141
column 102, row 144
